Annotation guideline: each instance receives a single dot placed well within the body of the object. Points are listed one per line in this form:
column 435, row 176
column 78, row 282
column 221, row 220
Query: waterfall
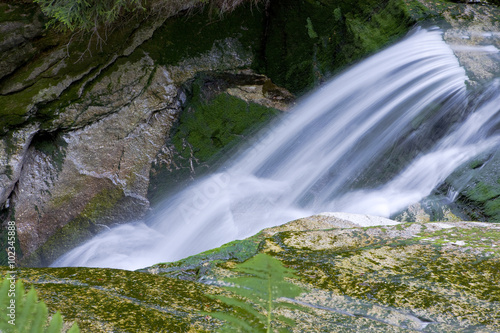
column 312, row 159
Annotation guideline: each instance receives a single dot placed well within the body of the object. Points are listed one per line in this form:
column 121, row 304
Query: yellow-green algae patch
column 402, row 278
column 108, row 300
column 449, row 287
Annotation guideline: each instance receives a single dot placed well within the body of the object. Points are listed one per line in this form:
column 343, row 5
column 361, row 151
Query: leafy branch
column 86, row 14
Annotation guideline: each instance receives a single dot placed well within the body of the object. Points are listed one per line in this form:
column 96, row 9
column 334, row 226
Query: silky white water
column 308, row 161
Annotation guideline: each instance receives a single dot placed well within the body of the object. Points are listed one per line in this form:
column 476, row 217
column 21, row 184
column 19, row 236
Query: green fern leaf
column 262, row 281
column 30, row 315
column 39, row 319
column 56, row 324
column 245, row 306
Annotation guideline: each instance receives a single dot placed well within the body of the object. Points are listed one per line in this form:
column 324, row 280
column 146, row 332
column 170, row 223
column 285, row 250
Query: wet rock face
column 12, row 154
column 108, row 160
column 474, row 38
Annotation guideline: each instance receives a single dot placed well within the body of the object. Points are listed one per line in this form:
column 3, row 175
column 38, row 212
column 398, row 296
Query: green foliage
column 86, row 14
column 27, row 315
column 485, row 195
column 259, row 292
column 298, row 57
column 337, row 14
column 310, row 29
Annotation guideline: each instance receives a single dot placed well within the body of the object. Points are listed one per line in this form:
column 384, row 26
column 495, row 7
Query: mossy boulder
column 308, row 41
column 431, row 277
column 104, row 300
column 478, row 187
column 428, row 277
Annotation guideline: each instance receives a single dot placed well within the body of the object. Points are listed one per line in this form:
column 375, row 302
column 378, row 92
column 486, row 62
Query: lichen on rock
column 429, row 277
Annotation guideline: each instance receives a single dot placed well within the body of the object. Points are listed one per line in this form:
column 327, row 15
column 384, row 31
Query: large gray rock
column 112, row 154
column 98, row 173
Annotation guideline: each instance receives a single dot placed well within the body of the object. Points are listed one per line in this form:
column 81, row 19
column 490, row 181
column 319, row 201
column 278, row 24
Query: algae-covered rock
column 478, row 187
column 430, row 277
column 220, row 111
column 426, row 277
column 106, row 300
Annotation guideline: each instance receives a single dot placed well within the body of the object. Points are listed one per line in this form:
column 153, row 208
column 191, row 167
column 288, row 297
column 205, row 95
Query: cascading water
column 305, row 162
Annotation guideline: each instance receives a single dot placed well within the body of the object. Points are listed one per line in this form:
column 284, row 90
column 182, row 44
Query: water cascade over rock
column 311, row 160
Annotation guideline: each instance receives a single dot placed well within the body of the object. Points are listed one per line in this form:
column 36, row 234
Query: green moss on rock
column 80, row 228
column 404, row 278
column 207, row 128
column 103, row 300
column 201, row 265
column 480, row 198
column 308, row 41
column 394, row 278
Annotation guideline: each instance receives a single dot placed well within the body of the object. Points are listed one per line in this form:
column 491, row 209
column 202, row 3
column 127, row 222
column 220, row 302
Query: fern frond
column 263, row 280
column 30, row 314
column 245, row 306
column 236, row 322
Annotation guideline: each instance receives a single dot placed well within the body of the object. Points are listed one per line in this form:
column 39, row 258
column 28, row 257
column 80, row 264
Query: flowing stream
column 311, row 160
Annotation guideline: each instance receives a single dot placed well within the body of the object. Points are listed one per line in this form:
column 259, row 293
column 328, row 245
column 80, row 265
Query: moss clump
column 201, row 265
column 208, row 127
column 485, row 197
